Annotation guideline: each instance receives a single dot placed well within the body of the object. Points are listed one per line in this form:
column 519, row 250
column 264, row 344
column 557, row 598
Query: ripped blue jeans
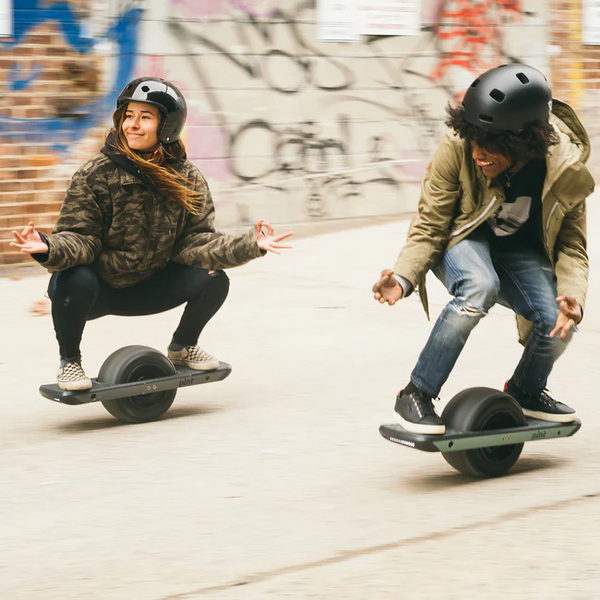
column 479, row 272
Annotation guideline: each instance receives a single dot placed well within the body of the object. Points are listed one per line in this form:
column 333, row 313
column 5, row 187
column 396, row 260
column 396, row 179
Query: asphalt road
column 275, row 483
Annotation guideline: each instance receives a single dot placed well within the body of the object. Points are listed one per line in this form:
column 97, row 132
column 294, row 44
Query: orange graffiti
column 473, row 30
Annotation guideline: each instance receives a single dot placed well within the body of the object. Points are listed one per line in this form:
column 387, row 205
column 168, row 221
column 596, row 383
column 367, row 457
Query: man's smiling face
column 491, row 164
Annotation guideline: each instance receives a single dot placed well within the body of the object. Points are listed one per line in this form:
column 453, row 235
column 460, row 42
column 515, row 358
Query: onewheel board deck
column 136, row 384
column 454, row 441
column 485, row 432
column 103, row 391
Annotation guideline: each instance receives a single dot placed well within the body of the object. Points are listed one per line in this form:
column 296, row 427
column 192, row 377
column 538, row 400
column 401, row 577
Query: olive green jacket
column 456, row 198
column 115, row 221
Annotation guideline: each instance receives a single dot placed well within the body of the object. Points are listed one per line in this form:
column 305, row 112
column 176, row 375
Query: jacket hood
column 568, row 123
column 111, row 151
column 573, row 148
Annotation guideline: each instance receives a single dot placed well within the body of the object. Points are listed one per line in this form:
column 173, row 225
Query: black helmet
column 166, row 97
column 508, row 98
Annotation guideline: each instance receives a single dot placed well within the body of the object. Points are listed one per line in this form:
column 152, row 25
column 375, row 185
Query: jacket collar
column 129, row 173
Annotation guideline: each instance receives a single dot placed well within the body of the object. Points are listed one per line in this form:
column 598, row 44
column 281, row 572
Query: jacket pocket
column 466, row 204
column 115, row 238
column 553, row 224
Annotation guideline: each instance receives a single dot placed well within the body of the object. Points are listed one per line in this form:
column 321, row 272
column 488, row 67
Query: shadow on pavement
column 437, row 482
column 108, row 422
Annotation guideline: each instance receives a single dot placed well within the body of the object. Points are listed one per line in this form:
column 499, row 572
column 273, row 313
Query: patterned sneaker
column 541, row 406
column 415, row 413
column 194, row 358
column 72, row 377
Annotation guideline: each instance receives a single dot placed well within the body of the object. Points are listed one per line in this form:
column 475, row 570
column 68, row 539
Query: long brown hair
column 158, row 168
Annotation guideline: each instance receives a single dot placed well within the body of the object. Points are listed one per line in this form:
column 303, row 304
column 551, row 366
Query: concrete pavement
column 275, row 482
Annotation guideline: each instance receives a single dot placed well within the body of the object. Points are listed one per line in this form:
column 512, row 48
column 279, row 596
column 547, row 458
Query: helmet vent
column 522, row 78
column 497, row 95
column 475, row 83
column 486, row 118
column 145, row 88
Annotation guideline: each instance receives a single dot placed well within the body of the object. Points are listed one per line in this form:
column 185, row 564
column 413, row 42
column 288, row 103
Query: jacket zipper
column 547, row 231
column 150, row 230
column 478, row 219
column 552, row 211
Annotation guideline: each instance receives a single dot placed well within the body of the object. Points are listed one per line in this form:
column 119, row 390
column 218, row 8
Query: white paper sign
column 6, row 17
column 337, row 20
column 591, row 21
column 390, row 17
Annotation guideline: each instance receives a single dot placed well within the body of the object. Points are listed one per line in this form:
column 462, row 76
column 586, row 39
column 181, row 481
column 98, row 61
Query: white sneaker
column 72, row 377
column 194, row 358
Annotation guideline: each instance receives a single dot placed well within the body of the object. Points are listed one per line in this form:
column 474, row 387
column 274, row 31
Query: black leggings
column 79, row 295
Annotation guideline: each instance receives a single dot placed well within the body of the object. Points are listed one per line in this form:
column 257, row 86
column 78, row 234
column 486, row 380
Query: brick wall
column 567, row 52
column 575, row 69
column 63, row 81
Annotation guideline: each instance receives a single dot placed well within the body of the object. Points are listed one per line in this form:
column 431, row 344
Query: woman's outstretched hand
column 266, row 241
column 29, row 240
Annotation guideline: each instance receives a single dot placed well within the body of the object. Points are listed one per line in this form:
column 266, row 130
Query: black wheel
column 137, row 363
column 483, row 409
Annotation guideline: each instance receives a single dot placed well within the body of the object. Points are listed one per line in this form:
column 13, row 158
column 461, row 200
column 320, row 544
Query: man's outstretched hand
column 387, row 289
column 569, row 314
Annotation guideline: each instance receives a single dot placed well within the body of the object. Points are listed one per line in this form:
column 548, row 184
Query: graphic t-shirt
column 518, row 220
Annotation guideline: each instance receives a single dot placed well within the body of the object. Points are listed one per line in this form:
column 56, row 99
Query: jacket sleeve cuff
column 405, row 284
column 254, row 235
column 42, row 257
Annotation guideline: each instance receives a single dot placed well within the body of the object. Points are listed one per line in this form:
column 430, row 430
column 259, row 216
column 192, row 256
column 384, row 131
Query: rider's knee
column 479, row 296
column 466, row 309
column 74, row 284
column 198, row 283
column 220, row 283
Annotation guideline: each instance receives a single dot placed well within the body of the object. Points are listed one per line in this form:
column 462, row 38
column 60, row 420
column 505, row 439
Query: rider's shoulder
column 451, row 151
column 99, row 164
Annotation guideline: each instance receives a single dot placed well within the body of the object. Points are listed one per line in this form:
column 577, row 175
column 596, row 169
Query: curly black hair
column 533, row 142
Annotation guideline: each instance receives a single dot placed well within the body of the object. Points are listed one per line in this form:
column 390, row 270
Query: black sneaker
column 415, row 413
column 541, row 406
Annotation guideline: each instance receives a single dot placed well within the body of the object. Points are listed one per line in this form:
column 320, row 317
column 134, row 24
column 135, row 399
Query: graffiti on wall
column 322, row 113
column 334, row 129
column 225, row 8
column 71, row 119
column 471, row 35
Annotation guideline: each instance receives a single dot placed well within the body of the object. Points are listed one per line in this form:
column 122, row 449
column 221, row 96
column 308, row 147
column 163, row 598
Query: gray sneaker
column 194, row 358
column 72, row 377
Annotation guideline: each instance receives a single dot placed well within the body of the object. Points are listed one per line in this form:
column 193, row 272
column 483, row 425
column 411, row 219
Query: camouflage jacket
column 116, row 221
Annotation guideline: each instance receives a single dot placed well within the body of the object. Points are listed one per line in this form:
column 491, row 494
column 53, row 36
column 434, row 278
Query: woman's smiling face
column 140, row 125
